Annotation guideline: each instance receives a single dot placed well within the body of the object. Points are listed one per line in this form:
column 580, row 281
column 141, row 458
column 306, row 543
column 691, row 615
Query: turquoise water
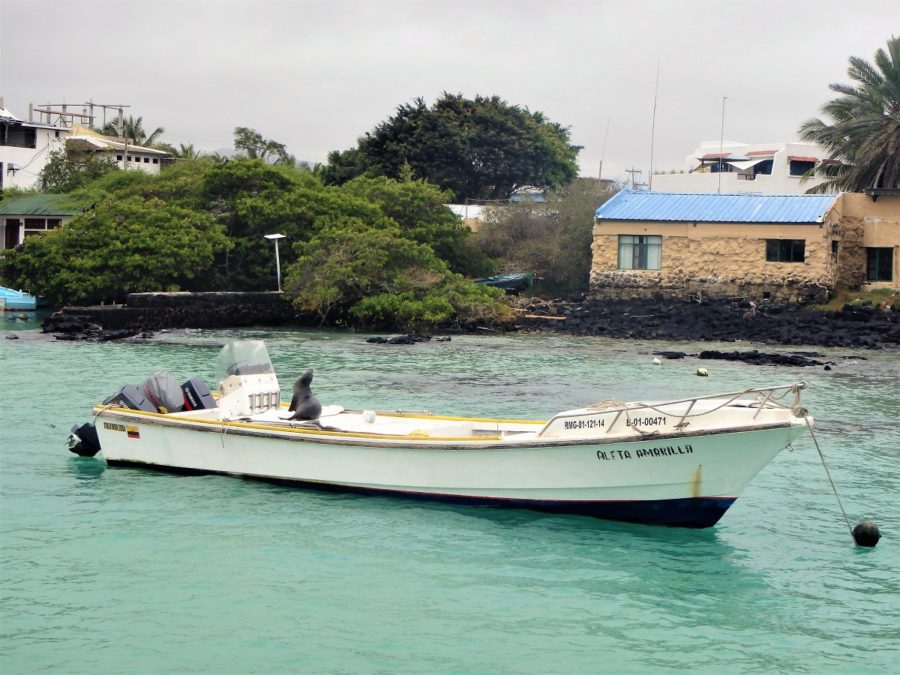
column 131, row 571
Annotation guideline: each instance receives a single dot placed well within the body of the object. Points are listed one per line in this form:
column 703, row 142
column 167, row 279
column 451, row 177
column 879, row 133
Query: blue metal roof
column 715, row 208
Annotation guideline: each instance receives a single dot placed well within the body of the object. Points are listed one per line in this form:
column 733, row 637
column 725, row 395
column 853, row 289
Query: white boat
column 681, row 462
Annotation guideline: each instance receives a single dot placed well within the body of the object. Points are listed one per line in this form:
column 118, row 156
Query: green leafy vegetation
column 864, row 133
column 481, row 148
column 879, row 297
column 551, row 239
column 120, row 246
column 354, row 273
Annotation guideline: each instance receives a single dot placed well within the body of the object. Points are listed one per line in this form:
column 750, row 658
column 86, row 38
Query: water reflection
column 86, row 468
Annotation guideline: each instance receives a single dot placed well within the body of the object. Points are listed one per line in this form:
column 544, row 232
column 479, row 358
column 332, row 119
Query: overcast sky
column 315, row 75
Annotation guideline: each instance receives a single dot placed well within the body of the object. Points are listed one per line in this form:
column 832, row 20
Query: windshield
column 244, row 357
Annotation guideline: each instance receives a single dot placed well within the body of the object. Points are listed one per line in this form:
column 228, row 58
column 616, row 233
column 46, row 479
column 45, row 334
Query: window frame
column 638, row 249
column 884, row 262
column 786, row 250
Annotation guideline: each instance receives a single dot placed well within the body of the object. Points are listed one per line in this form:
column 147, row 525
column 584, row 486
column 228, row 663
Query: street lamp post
column 275, row 238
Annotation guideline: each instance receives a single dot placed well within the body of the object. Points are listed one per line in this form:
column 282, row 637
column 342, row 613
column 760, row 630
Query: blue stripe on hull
column 691, row 512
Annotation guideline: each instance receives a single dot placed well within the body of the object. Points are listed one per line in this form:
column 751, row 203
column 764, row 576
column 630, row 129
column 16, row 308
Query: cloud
column 316, row 75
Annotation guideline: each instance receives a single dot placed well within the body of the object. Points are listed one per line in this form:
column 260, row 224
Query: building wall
column 778, row 182
column 29, row 162
column 716, row 260
column 864, row 223
column 728, row 260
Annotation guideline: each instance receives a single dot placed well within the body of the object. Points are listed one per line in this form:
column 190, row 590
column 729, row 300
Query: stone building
column 785, row 248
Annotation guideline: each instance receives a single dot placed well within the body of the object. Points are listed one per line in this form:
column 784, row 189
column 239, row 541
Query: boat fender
column 304, row 405
column 83, row 440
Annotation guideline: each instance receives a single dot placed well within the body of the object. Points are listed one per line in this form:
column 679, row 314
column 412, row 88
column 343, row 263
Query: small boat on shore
column 13, row 300
column 681, row 462
column 511, row 283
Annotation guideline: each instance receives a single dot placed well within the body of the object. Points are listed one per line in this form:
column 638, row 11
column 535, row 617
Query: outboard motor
column 83, row 440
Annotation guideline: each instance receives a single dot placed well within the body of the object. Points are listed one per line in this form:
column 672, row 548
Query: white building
column 83, row 141
column 25, row 148
column 730, row 166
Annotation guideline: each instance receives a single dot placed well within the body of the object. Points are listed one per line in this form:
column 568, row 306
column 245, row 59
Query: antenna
column 721, row 144
column 653, row 125
column 603, row 155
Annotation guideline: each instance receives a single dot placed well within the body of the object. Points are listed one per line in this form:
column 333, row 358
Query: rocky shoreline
column 856, row 326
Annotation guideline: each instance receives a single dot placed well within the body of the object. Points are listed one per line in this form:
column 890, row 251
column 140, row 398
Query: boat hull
column 694, row 512
column 686, row 479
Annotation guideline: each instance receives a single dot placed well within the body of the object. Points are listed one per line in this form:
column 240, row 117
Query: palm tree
column 865, row 132
column 132, row 128
column 186, row 151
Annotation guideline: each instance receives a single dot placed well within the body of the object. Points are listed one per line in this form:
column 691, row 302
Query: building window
column 639, row 252
column 785, row 250
column 146, row 160
column 879, row 264
column 119, row 157
column 799, row 167
column 18, row 136
column 835, row 245
column 764, row 167
column 155, row 160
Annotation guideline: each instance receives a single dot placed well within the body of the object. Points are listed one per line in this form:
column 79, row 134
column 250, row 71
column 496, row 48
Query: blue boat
column 511, row 283
column 13, row 300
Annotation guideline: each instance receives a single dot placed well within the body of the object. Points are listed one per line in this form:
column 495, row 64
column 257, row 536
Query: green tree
column 252, row 199
column 121, row 246
column 133, row 128
column 350, row 272
column 482, row 148
column 419, row 208
column 63, row 174
column 255, row 146
column 552, row 239
column 864, row 134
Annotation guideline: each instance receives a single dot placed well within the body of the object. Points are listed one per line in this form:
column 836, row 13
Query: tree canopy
column 481, row 148
column 864, row 133
column 377, row 277
column 121, row 246
column 373, row 252
column 254, row 146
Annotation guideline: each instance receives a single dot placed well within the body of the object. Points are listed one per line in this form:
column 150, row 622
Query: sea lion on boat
column 304, row 405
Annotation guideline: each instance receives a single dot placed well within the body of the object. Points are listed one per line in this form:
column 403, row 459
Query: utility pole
column 633, row 171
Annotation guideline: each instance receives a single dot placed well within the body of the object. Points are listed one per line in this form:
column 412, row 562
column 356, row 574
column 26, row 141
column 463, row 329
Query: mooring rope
column 828, row 473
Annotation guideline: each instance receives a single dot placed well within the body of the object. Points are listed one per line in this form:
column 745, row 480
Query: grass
column 847, row 297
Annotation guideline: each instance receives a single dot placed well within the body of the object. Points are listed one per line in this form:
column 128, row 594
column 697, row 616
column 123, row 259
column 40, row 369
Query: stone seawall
column 155, row 311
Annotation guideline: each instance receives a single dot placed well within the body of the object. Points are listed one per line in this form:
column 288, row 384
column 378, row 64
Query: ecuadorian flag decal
column 132, row 432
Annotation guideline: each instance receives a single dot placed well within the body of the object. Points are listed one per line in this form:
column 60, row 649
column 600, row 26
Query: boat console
column 247, row 381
